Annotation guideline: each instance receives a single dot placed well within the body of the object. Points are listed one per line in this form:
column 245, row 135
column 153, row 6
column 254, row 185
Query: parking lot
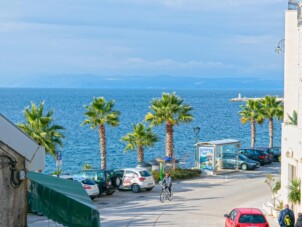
column 197, row 202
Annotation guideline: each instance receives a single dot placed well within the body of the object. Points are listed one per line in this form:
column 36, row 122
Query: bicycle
column 165, row 194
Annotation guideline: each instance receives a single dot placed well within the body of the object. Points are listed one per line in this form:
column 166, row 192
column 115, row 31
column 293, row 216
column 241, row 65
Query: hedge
column 179, row 174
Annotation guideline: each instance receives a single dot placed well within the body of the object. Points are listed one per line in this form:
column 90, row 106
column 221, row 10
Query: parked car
column 255, row 154
column 275, row 153
column 105, row 179
column 90, row 186
column 135, row 179
column 270, row 154
column 245, row 217
column 229, row 162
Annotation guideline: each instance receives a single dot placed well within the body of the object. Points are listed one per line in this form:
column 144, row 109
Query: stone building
column 18, row 155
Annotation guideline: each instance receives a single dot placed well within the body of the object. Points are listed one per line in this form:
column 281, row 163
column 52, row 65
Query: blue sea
column 217, row 117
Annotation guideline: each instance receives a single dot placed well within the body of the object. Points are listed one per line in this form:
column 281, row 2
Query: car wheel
column 109, row 193
column 149, row 189
column 135, row 188
column 244, row 167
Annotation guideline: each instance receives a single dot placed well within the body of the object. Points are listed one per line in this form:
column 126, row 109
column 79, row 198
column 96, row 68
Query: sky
column 143, row 38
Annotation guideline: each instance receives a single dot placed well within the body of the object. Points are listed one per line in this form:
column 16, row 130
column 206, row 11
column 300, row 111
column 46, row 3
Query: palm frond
column 292, row 120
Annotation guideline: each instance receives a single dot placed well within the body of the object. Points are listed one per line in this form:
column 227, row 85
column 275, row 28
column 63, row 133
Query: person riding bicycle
column 167, row 182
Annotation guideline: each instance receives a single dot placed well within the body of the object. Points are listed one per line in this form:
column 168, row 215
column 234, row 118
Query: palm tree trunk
column 140, row 154
column 169, row 140
column 253, row 133
column 102, row 146
column 271, row 132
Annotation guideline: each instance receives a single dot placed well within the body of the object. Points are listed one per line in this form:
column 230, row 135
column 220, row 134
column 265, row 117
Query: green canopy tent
column 64, row 201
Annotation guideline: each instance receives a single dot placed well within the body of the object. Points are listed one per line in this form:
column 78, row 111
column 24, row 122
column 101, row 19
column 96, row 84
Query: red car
column 245, row 217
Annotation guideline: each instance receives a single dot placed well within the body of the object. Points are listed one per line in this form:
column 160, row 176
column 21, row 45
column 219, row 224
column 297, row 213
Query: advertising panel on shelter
column 206, row 155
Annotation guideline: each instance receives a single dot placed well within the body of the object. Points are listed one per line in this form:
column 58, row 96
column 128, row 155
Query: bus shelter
column 216, row 157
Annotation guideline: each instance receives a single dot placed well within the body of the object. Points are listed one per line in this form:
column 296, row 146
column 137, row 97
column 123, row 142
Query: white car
column 135, row 179
column 90, row 186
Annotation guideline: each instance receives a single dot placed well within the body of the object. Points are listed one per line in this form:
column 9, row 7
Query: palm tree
column 41, row 129
column 294, row 195
column 138, row 139
column 99, row 113
column 272, row 109
column 252, row 112
column 171, row 111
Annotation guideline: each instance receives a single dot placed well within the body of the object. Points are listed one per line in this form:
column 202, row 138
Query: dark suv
column 275, row 153
column 105, row 179
column 257, row 155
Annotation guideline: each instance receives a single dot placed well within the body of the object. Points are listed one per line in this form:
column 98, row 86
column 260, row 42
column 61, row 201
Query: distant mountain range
column 142, row 82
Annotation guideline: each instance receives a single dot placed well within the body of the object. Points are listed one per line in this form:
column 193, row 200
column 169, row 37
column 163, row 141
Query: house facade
column 291, row 159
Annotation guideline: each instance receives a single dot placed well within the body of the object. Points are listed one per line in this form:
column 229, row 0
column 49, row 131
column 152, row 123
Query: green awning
column 64, row 201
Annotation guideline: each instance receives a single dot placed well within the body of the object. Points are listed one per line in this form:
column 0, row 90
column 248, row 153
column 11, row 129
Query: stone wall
column 13, row 205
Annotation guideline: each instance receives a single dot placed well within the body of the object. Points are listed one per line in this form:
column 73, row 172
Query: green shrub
column 179, row 174
column 277, row 187
column 294, row 194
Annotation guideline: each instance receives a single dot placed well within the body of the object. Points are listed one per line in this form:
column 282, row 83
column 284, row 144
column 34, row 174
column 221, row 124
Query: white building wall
column 291, row 61
column 291, row 144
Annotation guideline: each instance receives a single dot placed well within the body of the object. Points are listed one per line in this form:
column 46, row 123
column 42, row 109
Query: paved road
column 197, row 202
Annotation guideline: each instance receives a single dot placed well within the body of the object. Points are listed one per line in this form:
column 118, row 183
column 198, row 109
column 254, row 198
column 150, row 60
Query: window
column 88, row 182
column 119, row 173
column 144, row 173
column 131, row 173
column 100, row 175
column 252, row 218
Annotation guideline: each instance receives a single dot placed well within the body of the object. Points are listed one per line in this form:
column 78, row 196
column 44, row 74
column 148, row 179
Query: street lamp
column 196, row 132
column 280, row 48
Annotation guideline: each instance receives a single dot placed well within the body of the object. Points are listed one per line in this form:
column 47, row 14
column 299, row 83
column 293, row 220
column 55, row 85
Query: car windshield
column 252, row 218
column 144, row 173
column 88, row 182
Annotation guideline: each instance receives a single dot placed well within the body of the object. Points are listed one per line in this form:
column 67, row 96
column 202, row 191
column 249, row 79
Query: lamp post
column 196, row 131
column 280, row 48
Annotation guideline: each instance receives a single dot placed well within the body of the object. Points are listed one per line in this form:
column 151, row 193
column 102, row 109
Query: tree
column 171, row 111
column 40, row 128
column 252, row 112
column 140, row 138
column 99, row 113
column 272, row 109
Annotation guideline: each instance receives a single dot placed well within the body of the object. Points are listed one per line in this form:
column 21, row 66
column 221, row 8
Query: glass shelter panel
column 226, row 157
